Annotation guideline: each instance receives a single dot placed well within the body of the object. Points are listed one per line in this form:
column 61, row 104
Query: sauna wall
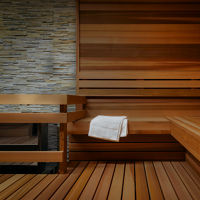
column 138, row 48
column 37, row 48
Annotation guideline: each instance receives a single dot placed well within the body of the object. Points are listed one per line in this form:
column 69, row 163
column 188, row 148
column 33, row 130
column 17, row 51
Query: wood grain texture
column 134, row 42
column 129, row 182
column 121, row 180
column 187, row 134
column 33, row 117
column 141, row 182
column 117, row 181
column 31, row 156
column 126, row 155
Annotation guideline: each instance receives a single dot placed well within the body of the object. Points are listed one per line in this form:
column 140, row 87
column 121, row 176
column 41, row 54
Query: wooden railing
column 62, row 118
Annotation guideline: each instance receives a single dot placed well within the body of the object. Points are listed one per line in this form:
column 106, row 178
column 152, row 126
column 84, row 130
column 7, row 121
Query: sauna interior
column 64, row 62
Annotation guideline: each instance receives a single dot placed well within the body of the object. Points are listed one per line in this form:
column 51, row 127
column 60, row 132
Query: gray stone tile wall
column 37, row 49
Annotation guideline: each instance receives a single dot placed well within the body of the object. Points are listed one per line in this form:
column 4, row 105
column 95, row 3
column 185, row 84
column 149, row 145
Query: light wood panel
column 41, row 99
column 33, row 117
column 31, row 156
column 134, row 42
column 187, row 134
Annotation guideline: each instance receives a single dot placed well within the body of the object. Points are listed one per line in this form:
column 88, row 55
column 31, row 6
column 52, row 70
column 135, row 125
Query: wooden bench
column 61, row 118
column 187, row 131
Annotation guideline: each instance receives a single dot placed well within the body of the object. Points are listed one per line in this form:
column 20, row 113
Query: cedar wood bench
column 185, row 130
column 61, row 118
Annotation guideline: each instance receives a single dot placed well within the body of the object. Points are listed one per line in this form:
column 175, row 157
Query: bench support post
column 63, row 142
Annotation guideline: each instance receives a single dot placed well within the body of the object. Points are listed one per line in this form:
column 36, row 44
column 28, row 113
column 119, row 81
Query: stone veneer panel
column 37, row 49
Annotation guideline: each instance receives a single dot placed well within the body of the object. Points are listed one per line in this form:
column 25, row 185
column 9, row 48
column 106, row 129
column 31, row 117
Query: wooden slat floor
column 107, row 180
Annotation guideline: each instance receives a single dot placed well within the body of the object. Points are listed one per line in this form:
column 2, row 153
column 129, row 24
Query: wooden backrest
column 138, row 48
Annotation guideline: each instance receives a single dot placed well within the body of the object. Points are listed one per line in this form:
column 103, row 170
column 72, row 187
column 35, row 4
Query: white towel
column 108, row 127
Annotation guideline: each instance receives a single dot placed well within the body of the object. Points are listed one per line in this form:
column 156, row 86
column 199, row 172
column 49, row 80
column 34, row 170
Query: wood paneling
column 136, row 147
column 107, row 180
column 31, row 156
column 133, row 41
column 33, row 117
column 126, row 155
column 188, row 134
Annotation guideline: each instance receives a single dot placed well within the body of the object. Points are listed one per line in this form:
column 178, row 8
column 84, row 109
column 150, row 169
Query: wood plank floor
column 107, row 180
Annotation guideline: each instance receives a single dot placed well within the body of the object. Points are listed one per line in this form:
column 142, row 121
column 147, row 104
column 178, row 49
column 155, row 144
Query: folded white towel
column 108, row 127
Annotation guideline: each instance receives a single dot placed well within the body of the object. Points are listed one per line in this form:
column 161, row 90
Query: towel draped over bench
column 108, row 127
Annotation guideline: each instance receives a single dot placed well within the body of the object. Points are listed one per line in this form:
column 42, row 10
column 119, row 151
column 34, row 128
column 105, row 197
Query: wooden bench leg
column 63, row 147
column 63, row 143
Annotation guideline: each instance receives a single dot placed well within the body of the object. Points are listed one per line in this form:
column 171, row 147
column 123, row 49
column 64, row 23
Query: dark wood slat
column 139, row 17
column 125, row 147
column 141, row 92
column 146, row 138
column 126, row 156
column 139, row 7
column 142, row 52
column 141, row 1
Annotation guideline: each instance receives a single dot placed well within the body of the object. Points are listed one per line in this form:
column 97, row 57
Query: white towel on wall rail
column 109, row 127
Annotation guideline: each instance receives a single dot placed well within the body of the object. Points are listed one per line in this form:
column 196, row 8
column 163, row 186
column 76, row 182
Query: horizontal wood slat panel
column 100, row 63
column 140, row 40
column 145, row 138
column 143, row 52
column 140, row 17
column 33, row 99
column 139, row 1
column 138, row 84
column 31, row 156
column 125, row 147
column 41, row 99
column 120, row 28
column 134, row 40
column 139, row 7
column 33, row 117
column 138, row 74
column 126, row 155
column 141, row 92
